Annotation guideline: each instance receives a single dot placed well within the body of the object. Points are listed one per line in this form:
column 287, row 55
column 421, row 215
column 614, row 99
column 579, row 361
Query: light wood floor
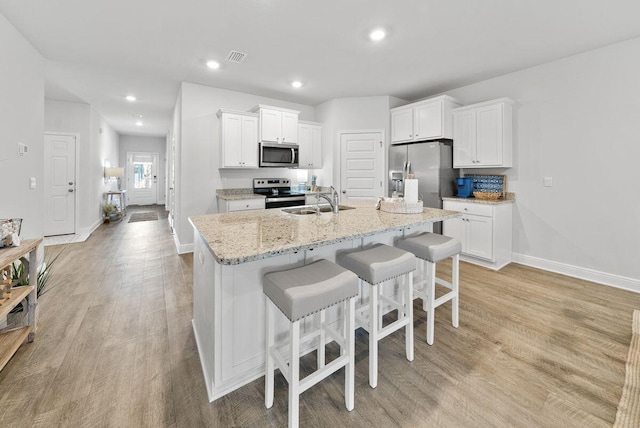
column 114, row 347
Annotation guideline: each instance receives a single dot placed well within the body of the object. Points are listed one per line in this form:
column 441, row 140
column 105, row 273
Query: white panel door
column 142, row 178
column 361, row 165
column 60, row 184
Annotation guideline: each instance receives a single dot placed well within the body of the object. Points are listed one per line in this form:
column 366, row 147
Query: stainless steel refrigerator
column 431, row 162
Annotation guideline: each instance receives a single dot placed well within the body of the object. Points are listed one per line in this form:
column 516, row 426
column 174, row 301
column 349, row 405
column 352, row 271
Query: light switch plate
column 32, row 182
column 547, row 181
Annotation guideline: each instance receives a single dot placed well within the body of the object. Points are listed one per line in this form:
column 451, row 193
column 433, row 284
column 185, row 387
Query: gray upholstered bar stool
column 376, row 264
column 298, row 293
column 432, row 248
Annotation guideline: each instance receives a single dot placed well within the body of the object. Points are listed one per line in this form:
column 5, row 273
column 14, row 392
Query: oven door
column 279, row 155
column 284, row 201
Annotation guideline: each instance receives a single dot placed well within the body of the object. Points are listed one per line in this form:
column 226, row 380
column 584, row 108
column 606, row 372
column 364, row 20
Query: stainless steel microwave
column 278, row 155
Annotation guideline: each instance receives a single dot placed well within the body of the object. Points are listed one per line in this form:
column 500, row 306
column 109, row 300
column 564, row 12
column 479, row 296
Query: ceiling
column 98, row 52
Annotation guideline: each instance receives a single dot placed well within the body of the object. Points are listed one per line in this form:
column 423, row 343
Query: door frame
column 157, row 161
column 77, row 192
column 338, row 171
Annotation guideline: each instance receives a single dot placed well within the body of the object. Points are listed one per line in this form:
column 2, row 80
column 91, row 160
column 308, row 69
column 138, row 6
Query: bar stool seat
column 375, row 265
column 302, row 292
column 432, row 248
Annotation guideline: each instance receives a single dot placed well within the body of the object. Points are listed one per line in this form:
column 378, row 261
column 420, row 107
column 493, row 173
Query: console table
column 121, row 195
column 10, row 340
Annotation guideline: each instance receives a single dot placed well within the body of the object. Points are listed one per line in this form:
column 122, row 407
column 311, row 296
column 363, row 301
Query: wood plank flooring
column 115, row 348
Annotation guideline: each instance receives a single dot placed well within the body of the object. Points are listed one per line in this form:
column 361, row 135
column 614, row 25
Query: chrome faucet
column 333, row 200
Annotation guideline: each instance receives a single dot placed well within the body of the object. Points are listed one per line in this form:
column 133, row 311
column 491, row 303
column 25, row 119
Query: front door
column 361, row 165
column 59, row 184
column 142, row 178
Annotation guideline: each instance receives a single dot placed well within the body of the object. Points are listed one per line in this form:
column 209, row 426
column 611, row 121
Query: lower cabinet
column 484, row 230
column 228, row 206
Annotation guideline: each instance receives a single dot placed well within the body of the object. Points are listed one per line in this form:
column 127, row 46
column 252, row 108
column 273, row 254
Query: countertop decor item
column 10, row 232
column 400, row 206
column 484, row 184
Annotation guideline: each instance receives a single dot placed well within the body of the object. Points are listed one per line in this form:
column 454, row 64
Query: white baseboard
column 89, row 230
column 612, row 280
column 180, row 248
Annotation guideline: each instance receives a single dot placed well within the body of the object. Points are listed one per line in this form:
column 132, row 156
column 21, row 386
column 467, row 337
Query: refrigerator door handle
column 404, row 170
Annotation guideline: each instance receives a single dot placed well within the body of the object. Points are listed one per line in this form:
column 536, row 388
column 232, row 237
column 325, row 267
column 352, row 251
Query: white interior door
column 59, row 184
column 142, row 178
column 361, row 165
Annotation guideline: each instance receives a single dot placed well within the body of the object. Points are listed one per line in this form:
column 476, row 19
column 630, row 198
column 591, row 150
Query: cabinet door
column 249, row 142
column 305, row 146
column 489, row 137
column 427, row 121
column 456, row 228
column 231, row 140
column 289, row 128
column 479, row 236
column 270, row 125
column 464, row 138
column 402, row 125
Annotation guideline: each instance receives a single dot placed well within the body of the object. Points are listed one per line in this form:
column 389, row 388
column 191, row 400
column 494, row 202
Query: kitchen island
column 233, row 251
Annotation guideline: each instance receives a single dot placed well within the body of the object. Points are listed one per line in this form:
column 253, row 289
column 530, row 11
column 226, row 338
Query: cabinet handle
column 283, row 139
column 410, row 136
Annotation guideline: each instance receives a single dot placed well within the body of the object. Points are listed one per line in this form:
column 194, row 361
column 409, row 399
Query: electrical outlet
column 547, row 181
column 23, row 149
column 32, row 182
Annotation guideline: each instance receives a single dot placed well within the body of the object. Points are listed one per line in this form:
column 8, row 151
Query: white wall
column 136, row 143
column 199, row 176
column 97, row 143
column 576, row 120
column 21, row 120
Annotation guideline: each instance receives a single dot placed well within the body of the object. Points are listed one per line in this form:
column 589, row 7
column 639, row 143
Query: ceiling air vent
column 235, row 56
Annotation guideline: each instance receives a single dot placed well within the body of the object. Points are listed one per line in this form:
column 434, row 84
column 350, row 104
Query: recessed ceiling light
column 214, row 65
column 131, row 98
column 296, row 84
column 139, row 123
column 377, row 35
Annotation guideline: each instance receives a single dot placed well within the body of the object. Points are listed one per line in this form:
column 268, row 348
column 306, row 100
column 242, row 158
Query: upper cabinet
column 310, row 142
column 483, row 134
column 423, row 120
column 238, row 139
column 277, row 125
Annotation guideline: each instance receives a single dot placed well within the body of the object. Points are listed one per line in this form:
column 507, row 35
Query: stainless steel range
column 278, row 192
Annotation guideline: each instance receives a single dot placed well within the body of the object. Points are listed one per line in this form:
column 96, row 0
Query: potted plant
column 109, row 210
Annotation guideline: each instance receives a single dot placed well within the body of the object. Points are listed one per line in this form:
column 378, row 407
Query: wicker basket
column 400, row 206
column 487, row 196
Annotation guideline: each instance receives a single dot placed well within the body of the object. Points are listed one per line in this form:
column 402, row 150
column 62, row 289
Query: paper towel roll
column 411, row 190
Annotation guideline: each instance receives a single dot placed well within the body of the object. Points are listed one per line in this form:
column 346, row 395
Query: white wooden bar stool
column 376, row 264
column 432, row 248
column 298, row 293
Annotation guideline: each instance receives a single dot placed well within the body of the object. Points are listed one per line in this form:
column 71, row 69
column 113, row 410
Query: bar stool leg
column 268, row 379
column 349, row 373
column 455, row 286
column 322, row 340
column 431, row 295
column 408, row 312
column 294, row 373
column 373, row 336
column 425, row 277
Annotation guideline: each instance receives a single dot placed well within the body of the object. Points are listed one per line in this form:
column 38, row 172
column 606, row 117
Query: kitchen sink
column 311, row 209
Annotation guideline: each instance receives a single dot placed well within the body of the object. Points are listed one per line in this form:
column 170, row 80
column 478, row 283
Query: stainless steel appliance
column 278, row 192
column 278, row 155
column 432, row 164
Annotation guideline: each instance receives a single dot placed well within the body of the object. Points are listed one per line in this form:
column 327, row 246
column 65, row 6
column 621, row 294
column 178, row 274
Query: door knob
column 71, row 183
column 70, row 190
column 344, row 191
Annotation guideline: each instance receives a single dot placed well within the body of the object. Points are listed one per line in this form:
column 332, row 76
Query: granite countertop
column 510, row 198
column 245, row 236
column 237, row 194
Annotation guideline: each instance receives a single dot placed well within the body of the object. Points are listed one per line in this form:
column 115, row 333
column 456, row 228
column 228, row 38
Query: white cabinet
column 238, row 139
column 310, row 142
column 423, row 120
column 484, row 230
column 483, row 135
column 232, row 205
column 277, row 125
